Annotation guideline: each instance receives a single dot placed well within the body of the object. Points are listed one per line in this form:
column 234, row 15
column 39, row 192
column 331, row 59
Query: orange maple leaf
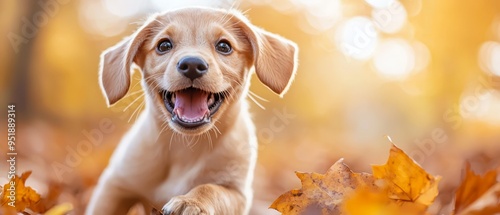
column 324, row 191
column 406, row 189
column 478, row 194
column 16, row 195
column 366, row 201
column 399, row 187
column 406, row 180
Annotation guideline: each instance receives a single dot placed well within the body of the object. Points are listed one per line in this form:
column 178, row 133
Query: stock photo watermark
column 11, row 155
column 365, row 36
column 30, row 26
column 84, row 148
column 278, row 123
column 453, row 117
column 92, row 138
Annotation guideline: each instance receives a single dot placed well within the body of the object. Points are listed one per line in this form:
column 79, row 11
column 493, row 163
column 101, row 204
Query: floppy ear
column 275, row 58
column 114, row 73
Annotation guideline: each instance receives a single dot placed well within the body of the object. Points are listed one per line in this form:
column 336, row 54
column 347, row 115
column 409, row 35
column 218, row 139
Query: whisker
column 142, row 108
column 163, row 126
column 256, row 102
column 209, row 140
column 171, row 136
column 257, row 96
column 133, row 93
column 138, row 107
column 216, row 130
column 246, row 11
column 135, row 100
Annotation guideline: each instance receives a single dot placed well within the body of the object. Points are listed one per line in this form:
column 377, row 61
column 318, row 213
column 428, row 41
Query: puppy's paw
column 181, row 205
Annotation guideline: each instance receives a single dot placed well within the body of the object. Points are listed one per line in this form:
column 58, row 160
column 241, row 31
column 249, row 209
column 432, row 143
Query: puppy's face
column 195, row 67
column 196, row 64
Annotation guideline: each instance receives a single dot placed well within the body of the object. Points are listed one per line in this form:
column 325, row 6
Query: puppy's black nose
column 192, row 67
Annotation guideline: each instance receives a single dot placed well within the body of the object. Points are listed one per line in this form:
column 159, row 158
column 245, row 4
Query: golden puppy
column 193, row 149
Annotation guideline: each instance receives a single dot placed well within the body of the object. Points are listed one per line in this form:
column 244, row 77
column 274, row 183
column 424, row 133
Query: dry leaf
column 399, row 187
column 488, row 204
column 407, row 189
column 60, row 209
column 367, row 201
column 49, row 200
column 25, row 197
column 324, row 191
column 478, row 194
column 406, row 180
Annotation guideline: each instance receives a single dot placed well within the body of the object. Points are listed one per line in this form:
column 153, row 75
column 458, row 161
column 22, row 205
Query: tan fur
column 208, row 170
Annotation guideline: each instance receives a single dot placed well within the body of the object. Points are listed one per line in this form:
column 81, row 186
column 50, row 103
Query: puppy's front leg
column 109, row 199
column 207, row 199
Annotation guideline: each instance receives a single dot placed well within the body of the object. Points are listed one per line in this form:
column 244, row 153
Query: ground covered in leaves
column 400, row 186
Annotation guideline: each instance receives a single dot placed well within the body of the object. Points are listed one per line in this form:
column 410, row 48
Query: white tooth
column 172, row 99
column 211, row 99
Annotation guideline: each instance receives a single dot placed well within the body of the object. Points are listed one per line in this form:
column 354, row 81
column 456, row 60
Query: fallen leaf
column 398, row 187
column 478, row 194
column 324, row 191
column 406, row 180
column 376, row 202
column 407, row 189
column 49, row 200
column 25, row 197
column 60, row 209
column 292, row 202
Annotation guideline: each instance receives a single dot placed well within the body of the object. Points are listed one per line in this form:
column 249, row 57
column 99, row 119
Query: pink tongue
column 191, row 104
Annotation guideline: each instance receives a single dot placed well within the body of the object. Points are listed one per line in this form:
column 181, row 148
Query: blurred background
column 425, row 73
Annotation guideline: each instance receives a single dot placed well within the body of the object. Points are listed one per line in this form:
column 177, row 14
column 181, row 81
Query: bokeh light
column 357, row 38
column 323, row 15
column 367, row 69
column 391, row 19
column 380, row 3
column 394, row 59
column 162, row 5
column 422, row 55
column 489, row 57
column 482, row 107
column 122, row 8
column 104, row 24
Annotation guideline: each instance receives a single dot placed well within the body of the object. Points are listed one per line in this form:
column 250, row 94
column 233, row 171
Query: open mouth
column 191, row 107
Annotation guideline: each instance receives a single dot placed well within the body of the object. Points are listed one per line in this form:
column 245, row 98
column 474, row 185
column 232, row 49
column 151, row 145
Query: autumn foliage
column 400, row 186
column 28, row 201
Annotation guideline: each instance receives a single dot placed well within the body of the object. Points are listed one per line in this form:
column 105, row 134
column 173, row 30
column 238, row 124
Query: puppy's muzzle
column 192, row 67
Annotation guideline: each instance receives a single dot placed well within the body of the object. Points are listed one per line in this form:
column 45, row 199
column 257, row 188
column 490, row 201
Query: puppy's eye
column 164, row 46
column 223, row 47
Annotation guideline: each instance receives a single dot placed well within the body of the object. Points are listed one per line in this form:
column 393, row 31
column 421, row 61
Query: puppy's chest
column 180, row 180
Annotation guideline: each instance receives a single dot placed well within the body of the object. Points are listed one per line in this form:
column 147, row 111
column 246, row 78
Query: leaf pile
column 400, row 186
column 27, row 199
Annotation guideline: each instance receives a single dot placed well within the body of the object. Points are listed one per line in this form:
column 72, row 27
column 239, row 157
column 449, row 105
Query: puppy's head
column 196, row 64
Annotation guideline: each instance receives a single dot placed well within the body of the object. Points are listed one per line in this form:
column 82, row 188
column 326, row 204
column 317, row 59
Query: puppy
column 193, row 149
